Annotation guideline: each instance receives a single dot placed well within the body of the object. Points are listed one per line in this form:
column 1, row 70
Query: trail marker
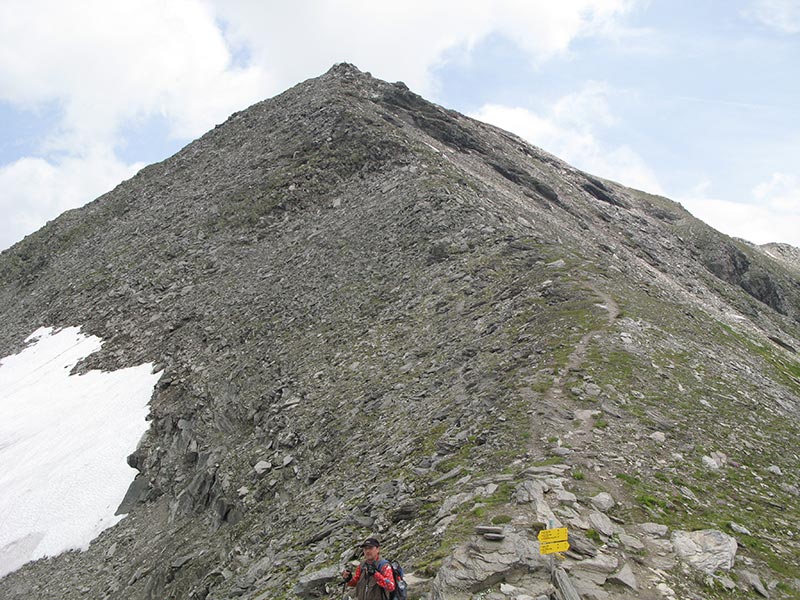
column 553, row 540
column 547, row 536
column 553, row 547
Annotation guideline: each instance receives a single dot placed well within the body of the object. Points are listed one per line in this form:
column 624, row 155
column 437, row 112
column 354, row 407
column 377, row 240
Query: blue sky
column 696, row 100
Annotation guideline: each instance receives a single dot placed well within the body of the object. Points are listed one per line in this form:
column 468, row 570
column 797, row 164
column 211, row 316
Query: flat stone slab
column 706, row 550
column 625, row 577
column 488, row 529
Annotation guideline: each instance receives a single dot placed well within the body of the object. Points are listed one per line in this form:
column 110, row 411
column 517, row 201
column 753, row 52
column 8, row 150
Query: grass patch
column 629, row 479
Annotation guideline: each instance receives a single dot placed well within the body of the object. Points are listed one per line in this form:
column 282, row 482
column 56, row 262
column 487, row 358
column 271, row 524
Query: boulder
column 533, row 492
column 630, row 542
column 654, row 529
column 716, row 461
column 479, row 564
column 601, row 563
column 625, row 577
column 603, row 502
column 312, row 585
column 706, row 550
column 754, row 581
column 602, row 524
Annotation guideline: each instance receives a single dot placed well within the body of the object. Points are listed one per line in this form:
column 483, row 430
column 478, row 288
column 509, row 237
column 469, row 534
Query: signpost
column 550, row 542
column 554, row 547
column 553, row 540
column 553, row 535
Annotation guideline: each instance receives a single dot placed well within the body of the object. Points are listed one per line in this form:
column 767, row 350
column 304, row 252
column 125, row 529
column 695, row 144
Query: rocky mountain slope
column 378, row 316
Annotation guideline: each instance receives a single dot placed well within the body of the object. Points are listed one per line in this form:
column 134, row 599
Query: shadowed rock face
column 731, row 264
column 378, row 316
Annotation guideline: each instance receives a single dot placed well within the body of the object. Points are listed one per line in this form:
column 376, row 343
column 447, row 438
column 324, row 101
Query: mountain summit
column 378, row 317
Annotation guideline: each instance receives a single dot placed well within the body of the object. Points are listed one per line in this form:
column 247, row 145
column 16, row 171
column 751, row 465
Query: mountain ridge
column 346, row 253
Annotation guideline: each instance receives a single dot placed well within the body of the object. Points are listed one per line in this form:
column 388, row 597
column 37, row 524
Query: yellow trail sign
column 553, row 535
column 553, row 547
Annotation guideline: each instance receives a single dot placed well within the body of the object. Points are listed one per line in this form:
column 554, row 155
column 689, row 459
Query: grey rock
column 754, row 581
column 312, row 585
column 580, row 546
column 565, row 496
column 736, row 528
column 654, row 529
column 362, row 521
column 262, row 467
column 726, row 582
column 112, row 550
column 715, row 461
column 601, row 563
column 453, row 502
column 603, row 502
column 479, row 564
column 601, row 523
column 588, row 588
column 625, row 577
column 180, row 561
column 706, row 550
column 533, row 492
column 630, row 542
column 560, row 451
column 592, row 389
column 481, row 529
column 454, row 472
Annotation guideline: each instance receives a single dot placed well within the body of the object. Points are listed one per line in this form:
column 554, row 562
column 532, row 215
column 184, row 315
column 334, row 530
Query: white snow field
column 63, row 444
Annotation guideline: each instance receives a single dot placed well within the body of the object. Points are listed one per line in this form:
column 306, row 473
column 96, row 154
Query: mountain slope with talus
column 378, row 316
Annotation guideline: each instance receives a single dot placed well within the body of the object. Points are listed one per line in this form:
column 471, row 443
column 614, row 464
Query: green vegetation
column 501, row 519
column 594, row 535
column 629, row 479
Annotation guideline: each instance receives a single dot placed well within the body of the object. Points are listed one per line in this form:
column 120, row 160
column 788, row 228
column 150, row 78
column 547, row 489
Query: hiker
column 373, row 578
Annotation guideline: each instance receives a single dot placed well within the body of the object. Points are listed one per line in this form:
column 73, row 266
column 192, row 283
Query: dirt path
column 554, row 398
column 575, row 359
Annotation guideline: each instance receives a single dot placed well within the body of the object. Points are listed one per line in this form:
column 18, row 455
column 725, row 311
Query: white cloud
column 773, row 214
column 569, row 129
column 781, row 192
column 106, row 62
column 404, row 40
column 35, row 190
column 781, row 15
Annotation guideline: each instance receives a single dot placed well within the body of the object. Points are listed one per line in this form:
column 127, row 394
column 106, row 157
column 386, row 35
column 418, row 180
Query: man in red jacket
column 373, row 578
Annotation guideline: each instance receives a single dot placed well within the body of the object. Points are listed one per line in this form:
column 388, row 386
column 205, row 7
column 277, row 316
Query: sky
column 63, row 443
column 697, row 100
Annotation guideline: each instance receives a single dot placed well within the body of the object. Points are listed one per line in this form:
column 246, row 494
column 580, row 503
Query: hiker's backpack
column 400, row 587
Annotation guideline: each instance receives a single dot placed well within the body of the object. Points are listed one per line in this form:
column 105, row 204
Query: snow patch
column 63, row 444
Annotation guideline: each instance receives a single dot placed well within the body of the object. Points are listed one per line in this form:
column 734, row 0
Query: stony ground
column 377, row 316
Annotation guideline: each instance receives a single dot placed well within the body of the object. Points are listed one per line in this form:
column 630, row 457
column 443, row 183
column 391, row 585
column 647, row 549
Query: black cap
column 371, row 543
